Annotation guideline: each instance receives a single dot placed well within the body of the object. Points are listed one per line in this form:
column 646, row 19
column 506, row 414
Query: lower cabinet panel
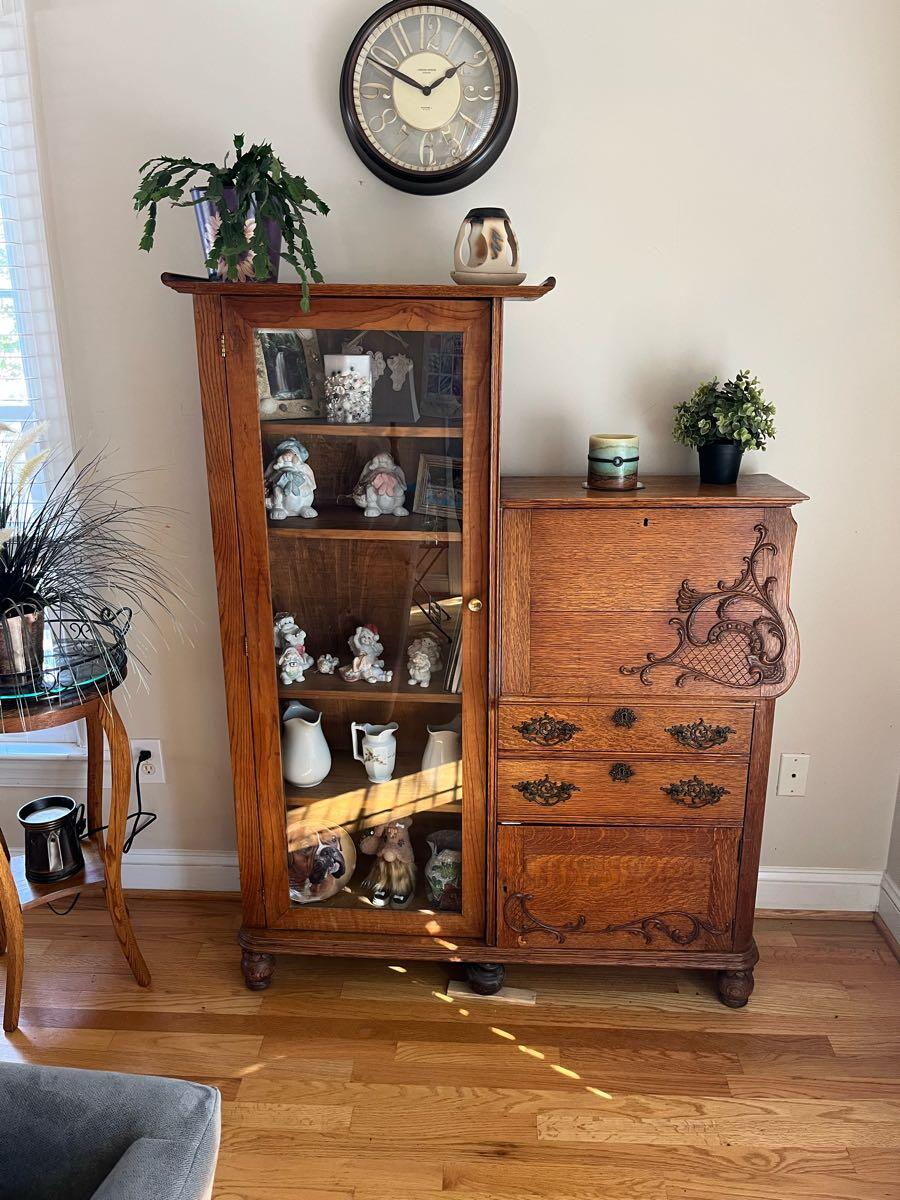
column 640, row 889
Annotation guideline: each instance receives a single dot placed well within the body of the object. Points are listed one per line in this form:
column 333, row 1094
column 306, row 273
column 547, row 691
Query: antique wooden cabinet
column 308, row 885
column 581, row 776
column 644, row 637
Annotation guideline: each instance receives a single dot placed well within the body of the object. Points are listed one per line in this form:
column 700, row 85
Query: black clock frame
column 434, row 183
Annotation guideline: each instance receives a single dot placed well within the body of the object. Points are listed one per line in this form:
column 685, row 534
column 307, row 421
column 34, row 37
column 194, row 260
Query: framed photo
column 442, row 375
column 439, row 486
column 290, row 381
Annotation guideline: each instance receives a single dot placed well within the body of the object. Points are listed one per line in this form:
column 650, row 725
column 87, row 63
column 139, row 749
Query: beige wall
column 714, row 183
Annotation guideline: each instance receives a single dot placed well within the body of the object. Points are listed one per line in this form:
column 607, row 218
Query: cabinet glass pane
column 362, row 449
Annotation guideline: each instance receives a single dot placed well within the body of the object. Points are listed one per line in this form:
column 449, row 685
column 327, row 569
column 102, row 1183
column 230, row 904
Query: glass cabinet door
column 361, row 438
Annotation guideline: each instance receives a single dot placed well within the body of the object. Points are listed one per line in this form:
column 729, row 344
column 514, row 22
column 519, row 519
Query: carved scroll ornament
column 735, row 652
column 679, row 927
column 521, row 921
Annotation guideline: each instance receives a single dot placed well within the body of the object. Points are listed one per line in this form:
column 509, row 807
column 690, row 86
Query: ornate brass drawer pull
column 699, row 735
column 621, row 772
column 624, row 718
column 695, row 792
column 546, row 792
column 547, row 730
column 524, row 922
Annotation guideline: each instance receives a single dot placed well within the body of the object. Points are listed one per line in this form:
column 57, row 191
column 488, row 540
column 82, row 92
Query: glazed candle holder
column 613, row 461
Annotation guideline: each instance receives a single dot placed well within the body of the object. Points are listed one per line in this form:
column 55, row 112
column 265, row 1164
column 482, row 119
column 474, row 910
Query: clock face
column 428, row 95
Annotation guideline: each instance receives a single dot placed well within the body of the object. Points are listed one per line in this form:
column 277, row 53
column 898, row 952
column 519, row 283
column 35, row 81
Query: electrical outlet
column 153, row 769
column 792, row 773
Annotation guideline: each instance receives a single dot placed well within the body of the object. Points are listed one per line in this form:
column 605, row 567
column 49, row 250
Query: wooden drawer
column 631, row 728
column 659, row 890
column 622, row 790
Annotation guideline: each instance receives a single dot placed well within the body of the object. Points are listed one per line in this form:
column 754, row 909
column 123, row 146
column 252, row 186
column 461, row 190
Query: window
column 31, row 385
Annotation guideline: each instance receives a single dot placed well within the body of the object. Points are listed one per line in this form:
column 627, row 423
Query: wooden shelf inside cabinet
column 349, row 523
column 322, row 687
column 353, row 896
column 346, row 797
column 323, row 429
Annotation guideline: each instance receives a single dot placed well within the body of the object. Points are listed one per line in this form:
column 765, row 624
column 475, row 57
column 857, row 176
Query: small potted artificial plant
column 243, row 212
column 722, row 420
column 68, row 550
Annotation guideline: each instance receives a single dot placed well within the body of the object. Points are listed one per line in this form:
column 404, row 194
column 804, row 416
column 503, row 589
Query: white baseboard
column 779, row 887
column 889, row 905
column 827, row 890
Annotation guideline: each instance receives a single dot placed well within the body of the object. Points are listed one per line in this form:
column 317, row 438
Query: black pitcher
column 53, row 828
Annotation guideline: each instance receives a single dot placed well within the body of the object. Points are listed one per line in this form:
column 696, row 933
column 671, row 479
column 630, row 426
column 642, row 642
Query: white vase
column 305, row 757
column 442, row 746
column 376, row 748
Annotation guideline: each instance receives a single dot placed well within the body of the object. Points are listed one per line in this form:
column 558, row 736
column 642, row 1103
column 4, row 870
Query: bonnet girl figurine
column 290, row 482
column 392, row 879
column 381, row 489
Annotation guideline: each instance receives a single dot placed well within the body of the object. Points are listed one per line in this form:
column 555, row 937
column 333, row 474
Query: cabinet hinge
column 222, row 344
column 246, row 647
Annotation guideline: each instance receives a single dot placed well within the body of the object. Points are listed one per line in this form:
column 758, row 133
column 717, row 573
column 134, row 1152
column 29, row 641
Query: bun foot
column 485, row 978
column 258, row 969
column 735, row 987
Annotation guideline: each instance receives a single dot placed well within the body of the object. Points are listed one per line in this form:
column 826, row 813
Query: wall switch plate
column 792, row 773
column 153, row 769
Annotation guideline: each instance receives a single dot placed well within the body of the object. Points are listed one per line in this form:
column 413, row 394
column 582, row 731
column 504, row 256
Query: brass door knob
column 475, row 605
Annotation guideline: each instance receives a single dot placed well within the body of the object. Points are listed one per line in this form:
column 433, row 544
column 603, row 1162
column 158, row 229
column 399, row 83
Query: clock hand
column 400, row 75
column 448, row 74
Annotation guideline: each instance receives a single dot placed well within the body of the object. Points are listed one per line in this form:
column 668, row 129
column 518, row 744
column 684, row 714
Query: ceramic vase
column 208, row 222
column 348, row 389
column 375, row 746
column 305, row 757
column 487, row 249
column 443, row 871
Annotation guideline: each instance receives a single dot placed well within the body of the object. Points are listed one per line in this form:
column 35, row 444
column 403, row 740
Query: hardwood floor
column 360, row 1080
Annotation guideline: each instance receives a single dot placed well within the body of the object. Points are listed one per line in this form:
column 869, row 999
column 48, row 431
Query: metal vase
column 22, row 643
column 207, row 218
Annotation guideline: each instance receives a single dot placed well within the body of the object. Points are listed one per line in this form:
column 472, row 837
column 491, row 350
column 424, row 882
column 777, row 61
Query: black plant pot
column 720, row 461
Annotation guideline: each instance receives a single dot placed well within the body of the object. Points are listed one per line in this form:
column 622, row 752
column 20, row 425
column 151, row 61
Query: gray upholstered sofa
column 97, row 1135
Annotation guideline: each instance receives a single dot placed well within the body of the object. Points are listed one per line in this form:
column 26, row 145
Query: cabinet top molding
column 659, row 491
column 200, row 286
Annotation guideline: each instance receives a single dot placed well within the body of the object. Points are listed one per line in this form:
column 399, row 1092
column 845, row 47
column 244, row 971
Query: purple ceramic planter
column 205, row 212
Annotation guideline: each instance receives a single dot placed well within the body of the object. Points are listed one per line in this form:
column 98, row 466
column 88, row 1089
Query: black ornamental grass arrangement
column 76, row 559
column 243, row 210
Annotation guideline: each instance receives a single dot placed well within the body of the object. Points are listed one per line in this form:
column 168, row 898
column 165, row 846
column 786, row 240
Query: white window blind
column 31, row 386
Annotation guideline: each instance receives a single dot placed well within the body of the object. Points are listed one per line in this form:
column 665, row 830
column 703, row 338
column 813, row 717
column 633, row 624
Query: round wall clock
column 428, row 95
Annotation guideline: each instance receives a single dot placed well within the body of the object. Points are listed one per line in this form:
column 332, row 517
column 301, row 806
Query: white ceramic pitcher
column 376, row 748
column 305, row 757
column 442, row 746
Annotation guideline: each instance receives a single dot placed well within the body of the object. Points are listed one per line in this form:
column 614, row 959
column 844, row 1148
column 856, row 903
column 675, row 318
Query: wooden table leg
column 95, row 769
column 14, row 931
column 120, row 770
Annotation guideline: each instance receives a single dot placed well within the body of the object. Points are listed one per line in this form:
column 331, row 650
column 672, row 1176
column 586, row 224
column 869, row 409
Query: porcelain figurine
column 381, row 489
column 305, row 757
column 293, row 664
column 392, row 879
column 326, row 664
column 375, row 746
column 290, row 482
column 423, row 659
column 287, row 632
column 321, row 862
column 443, row 871
column 367, row 664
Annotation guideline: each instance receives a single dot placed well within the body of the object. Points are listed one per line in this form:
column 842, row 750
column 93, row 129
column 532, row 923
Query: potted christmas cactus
column 244, row 210
column 722, row 420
